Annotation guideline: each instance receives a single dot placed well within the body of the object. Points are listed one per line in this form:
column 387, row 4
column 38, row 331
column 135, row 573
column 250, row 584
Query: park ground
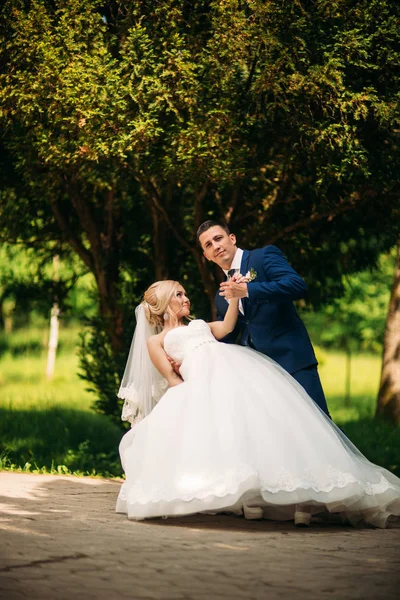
column 62, row 540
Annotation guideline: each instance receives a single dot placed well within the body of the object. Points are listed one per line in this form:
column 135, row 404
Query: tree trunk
column 102, row 255
column 205, row 270
column 107, row 283
column 209, row 282
column 389, row 390
column 159, row 245
column 8, row 307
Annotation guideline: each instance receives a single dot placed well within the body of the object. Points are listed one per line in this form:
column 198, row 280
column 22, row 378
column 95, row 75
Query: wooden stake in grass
column 53, row 337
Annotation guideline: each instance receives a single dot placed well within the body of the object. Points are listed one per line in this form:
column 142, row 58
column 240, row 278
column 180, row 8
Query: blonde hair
column 156, row 301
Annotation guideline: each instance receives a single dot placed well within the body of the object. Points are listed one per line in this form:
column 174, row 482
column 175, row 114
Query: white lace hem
column 285, row 483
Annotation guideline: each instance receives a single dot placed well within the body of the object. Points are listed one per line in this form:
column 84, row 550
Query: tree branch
column 252, row 69
column 153, row 193
column 198, row 205
column 73, row 240
column 88, row 223
column 313, row 218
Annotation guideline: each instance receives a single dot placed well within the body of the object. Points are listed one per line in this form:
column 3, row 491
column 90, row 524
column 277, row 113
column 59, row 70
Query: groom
column 268, row 321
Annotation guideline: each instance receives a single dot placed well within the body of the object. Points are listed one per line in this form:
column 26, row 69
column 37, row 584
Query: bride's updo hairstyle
column 156, row 301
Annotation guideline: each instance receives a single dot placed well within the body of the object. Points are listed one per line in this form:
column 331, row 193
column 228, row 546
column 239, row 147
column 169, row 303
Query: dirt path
column 61, row 540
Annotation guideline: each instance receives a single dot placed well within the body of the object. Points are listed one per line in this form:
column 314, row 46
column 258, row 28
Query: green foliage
column 29, row 283
column 356, row 321
column 78, row 440
column 102, row 369
column 289, row 108
column 379, row 441
column 24, row 343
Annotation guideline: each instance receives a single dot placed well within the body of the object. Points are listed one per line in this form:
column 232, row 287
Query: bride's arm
column 221, row 328
column 160, row 361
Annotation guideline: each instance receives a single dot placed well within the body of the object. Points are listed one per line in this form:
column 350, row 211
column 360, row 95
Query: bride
column 236, row 433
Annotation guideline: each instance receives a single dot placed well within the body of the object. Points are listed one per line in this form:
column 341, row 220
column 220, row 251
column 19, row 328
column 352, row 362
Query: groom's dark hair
column 207, row 225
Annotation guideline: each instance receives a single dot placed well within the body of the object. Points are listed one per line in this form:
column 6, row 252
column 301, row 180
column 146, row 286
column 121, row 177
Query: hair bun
column 156, row 301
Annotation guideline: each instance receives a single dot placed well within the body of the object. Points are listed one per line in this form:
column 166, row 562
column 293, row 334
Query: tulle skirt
column 240, row 430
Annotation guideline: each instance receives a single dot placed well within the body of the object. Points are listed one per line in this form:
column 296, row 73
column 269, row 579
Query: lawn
column 365, row 375
column 377, row 440
column 50, row 424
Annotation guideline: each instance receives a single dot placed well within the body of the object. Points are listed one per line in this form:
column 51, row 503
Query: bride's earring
column 166, row 317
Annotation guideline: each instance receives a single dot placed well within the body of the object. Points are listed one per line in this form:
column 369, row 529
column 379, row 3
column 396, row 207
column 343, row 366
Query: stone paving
column 61, row 540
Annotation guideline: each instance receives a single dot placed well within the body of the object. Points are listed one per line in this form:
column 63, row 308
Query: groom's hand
column 176, row 366
column 233, row 289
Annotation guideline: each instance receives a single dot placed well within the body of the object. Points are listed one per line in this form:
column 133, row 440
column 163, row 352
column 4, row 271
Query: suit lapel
column 221, row 304
column 245, row 262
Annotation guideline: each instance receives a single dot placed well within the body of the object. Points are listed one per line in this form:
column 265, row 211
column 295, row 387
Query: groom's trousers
column 309, row 379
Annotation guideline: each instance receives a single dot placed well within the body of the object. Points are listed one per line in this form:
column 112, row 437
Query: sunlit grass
column 365, row 373
column 23, row 380
column 24, row 385
column 365, row 376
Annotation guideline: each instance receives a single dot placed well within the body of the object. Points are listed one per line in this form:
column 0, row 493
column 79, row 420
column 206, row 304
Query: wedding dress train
column 241, row 431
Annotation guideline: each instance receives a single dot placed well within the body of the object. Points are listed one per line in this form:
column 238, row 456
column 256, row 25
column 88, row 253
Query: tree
column 27, row 286
column 355, row 321
column 389, row 389
column 127, row 124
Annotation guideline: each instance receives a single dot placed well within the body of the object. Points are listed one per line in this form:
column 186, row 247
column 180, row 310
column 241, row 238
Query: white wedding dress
column 240, row 430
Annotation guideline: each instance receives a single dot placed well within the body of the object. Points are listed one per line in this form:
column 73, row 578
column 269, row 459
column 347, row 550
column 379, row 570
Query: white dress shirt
column 237, row 261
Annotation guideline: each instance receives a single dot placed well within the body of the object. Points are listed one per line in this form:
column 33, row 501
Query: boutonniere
column 251, row 275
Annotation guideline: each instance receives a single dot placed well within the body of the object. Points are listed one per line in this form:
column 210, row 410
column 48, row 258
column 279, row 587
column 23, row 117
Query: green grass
column 35, row 339
column 379, row 441
column 365, row 374
column 24, row 386
column 49, row 425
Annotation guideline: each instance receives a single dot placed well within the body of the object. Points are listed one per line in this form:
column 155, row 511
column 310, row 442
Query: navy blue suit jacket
column 270, row 318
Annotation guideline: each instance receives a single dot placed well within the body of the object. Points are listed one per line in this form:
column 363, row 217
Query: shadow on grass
column 78, row 440
column 377, row 440
column 361, row 406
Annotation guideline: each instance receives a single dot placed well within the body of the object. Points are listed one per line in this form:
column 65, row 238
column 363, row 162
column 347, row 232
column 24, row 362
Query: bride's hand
column 234, row 288
column 239, row 278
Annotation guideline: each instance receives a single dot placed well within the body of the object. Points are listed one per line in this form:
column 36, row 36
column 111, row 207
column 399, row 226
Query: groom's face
column 218, row 246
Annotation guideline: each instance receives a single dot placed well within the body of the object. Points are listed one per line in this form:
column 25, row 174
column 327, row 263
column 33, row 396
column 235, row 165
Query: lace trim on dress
column 230, row 482
column 130, row 395
column 334, row 479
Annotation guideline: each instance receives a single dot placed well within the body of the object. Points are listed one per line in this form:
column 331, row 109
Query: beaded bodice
column 181, row 341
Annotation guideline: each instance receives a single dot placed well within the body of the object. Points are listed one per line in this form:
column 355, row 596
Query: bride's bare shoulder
column 153, row 339
column 156, row 340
